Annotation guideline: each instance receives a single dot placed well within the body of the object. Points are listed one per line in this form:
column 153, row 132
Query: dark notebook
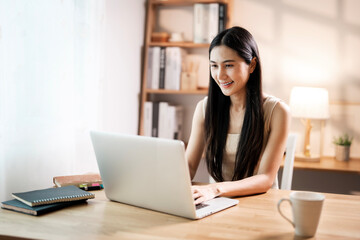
column 17, row 206
column 52, row 195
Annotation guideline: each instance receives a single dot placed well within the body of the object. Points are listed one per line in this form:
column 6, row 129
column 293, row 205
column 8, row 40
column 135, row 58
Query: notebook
column 17, row 206
column 52, row 195
column 85, row 181
column 150, row 173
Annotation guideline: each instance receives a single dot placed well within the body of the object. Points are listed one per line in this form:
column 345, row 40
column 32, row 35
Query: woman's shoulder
column 270, row 99
column 271, row 102
column 274, row 108
column 200, row 109
column 204, row 100
column 202, row 105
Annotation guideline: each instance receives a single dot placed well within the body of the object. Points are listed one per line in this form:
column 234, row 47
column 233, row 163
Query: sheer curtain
column 50, row 72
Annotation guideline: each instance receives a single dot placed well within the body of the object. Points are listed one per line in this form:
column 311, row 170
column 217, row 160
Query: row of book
column 164, row 68
column 209, row 20
column 163, row 120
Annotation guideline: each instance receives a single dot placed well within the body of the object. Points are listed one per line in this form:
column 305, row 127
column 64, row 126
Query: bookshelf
column 179, row 97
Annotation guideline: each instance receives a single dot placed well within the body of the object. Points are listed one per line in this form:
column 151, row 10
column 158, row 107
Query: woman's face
column 230, row 71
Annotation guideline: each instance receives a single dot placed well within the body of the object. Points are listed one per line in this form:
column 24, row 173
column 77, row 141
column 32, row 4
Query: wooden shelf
column 327, row 163
column 152, row 14
column 165, row 91
column 179, row 44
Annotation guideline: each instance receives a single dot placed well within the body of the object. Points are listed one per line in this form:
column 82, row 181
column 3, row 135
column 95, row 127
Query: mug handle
column 279, row 209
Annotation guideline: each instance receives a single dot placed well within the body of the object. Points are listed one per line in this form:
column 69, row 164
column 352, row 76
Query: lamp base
column 303, row 158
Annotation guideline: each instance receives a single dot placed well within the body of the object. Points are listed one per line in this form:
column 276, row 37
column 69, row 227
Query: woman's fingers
column 204, row 193
column 197, row 195
column 200, row 195
column 199, row 200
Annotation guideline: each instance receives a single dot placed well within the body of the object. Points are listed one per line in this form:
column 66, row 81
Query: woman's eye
column 229, row 65
column 213, row 66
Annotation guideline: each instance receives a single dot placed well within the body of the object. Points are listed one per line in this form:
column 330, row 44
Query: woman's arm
column 269, row 165
column 196, row 143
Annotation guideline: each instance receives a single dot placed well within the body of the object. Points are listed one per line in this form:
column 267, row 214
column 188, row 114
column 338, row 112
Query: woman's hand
column 204, row 193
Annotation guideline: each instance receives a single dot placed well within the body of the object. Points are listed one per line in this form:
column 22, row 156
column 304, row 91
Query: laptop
column 151, row 173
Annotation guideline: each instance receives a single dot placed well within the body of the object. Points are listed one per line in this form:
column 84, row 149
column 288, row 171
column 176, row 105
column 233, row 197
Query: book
column 148, row 112
column 52, row 195
column 163, row 116
column 81, row 181
column 169, row 65
column 178, row 122
column 175, row 63
column 162, row 68
column 174, row 122
column 155, row 68
column 213, row 21
column 201, row 23
column 209, row 20
column 155, row 119
column 149, row 68
column 222, row 17
column 18, row 206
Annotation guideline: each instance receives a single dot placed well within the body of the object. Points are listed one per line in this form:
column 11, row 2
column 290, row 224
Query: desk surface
column 330, row 164
column 254, row 217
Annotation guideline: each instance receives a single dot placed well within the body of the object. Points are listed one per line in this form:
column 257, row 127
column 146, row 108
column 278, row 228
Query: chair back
column 287, row 175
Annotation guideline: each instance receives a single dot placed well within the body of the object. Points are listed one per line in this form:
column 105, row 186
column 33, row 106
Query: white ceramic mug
column 306, row 209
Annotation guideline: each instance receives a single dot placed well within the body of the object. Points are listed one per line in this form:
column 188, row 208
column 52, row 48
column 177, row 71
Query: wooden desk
column 254, row 217
column 330, row 164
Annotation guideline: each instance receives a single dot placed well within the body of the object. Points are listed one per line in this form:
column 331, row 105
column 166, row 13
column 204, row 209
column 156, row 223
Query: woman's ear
column 253, row 64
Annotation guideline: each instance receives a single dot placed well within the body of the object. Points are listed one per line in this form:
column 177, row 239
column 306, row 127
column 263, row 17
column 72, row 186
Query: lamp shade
column 308, row 102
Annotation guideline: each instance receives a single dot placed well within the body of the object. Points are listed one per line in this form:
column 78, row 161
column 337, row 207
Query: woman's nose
column 221, row 74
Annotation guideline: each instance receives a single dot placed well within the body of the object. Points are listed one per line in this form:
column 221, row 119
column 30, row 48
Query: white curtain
column 50, row 75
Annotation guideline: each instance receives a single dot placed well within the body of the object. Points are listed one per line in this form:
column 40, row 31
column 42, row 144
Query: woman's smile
column 226, row 84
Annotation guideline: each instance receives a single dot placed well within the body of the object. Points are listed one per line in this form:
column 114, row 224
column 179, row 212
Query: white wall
column 313, row 43
column 64, row 70
column 124, row 38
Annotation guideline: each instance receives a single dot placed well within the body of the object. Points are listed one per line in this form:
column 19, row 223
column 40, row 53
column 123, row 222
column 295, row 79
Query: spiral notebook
column 17, row 206
column 52, row 195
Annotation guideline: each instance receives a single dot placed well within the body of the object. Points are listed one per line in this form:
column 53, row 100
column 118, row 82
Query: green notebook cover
column 52, row 195
column 17, row 206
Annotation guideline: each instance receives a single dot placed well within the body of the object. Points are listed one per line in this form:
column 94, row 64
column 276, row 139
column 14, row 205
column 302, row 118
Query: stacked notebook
column 42, row 201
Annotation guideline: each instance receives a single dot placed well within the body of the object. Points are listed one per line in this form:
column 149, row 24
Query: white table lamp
column 309, row 103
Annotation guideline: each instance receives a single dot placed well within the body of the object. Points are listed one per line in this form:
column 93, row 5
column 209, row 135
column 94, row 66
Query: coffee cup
column 306, row 209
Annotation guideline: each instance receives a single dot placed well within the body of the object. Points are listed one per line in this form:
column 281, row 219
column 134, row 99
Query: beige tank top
column 233, row 139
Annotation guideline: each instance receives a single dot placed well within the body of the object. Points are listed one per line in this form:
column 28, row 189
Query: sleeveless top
column 233, row 139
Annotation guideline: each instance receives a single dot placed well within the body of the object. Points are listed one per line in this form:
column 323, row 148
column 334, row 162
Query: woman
column 242, row 131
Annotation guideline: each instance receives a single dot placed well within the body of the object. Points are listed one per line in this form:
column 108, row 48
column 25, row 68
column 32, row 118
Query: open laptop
column 150, row 173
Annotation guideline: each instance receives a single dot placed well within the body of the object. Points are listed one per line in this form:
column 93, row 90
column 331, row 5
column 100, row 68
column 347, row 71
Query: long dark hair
column 217, row 114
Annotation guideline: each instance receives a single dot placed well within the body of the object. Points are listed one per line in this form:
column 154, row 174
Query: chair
column 287, row 174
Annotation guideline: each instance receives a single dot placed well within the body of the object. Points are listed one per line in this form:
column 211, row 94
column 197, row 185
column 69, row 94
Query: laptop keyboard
column 201, row 205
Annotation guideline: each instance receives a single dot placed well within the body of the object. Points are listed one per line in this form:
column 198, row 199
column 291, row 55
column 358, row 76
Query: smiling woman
column 242, row 130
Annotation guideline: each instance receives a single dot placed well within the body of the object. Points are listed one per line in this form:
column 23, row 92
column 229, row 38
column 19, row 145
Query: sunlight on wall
column 303, row 72
column 49, row 90
column 312, row 43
